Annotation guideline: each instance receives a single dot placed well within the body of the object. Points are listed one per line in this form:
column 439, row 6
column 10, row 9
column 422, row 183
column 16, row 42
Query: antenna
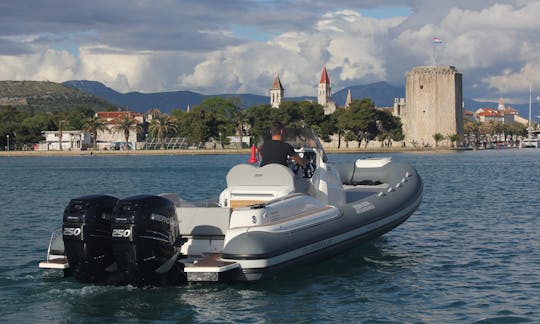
column 530, row 106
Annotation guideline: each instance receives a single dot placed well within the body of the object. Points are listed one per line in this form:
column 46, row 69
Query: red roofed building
column 112, row 115
column 114, row 140
column 488, row 114
column 468, row 114
column 503, row 114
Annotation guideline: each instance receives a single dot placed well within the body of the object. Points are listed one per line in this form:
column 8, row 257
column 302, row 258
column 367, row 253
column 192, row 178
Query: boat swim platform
column 210, row 269
column 58, row 263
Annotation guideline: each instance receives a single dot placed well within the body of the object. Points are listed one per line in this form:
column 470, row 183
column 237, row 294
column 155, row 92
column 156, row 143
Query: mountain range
column 45, row 96
column 50, row 96
column 381, row 93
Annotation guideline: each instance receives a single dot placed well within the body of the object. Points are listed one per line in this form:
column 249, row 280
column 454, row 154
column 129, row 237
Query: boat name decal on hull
column 363, row 207
column 317, row 246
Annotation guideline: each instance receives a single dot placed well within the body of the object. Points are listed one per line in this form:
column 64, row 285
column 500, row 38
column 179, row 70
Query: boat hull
column 306, row 220
column 261, row 253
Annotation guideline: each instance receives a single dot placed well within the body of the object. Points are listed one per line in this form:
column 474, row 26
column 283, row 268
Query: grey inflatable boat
column 267, row 219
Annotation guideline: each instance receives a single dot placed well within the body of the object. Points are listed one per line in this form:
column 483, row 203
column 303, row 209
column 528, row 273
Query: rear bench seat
column 250, row 185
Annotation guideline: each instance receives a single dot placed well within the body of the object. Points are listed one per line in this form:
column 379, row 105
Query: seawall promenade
column 217, row 151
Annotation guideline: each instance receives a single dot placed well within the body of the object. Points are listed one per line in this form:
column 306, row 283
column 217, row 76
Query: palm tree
column 240, row 121
column 453, row 138
column 62, row 125
column 383, row 137
column 438, row 137
column 161, row 126
column 125, row 125
column 93, row 125
column 470, row 129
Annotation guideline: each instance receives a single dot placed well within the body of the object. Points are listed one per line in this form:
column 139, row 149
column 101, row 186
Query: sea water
column 470, row 253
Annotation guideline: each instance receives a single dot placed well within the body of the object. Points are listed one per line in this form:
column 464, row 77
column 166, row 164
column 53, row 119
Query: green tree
column 471, row 132
column 10, row 119
column 161, row 126
column 397, row 135
column 349, row 136
column 221, row 115
column 213, row 116
column 361, row 119
column 125, row 125
column 438, row 137
column 290, row 114
column 30, row 130
column 341, row 123
column 195, row 125
column 94, row 125
column 77, row 117
column 383, row 137
column 260, row 119
column 242, row 125
column 61, row 126
column 453, row 138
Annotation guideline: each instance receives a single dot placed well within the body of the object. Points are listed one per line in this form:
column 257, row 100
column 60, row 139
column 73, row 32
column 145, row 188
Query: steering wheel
column 294, row 166
column 307, row 169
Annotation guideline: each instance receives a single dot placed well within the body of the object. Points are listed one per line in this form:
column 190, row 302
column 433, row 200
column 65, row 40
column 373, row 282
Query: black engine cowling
column 86, row 232
column 145, row 242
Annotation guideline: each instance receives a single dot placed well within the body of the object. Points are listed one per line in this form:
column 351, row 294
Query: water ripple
column 470, row 254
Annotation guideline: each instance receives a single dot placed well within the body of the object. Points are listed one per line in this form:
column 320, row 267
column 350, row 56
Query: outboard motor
column 87, row 237
column 146, row 243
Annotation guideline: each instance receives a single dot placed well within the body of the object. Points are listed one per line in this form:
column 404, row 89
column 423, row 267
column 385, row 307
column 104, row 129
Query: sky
column 238, row 46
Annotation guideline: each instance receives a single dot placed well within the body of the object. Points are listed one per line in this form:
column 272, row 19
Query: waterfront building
column 433, row 104
column 276, row 92
column 110, row 139
column 513, row 114
column 152, row 113
column 503, row 114
column 484, row 115
column 72, row 140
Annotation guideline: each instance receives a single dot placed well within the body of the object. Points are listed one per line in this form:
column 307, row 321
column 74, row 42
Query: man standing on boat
column 278, row 151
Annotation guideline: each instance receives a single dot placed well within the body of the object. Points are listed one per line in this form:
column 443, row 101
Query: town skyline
column 208, row 47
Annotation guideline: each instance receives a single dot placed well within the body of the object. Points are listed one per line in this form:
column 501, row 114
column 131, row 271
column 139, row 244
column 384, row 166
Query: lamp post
column 7, row 136
column 220, row 143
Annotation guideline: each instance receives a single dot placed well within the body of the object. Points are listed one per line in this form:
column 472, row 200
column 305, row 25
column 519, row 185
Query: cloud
column 237, row 46
column 50, row 65
column 349, row 44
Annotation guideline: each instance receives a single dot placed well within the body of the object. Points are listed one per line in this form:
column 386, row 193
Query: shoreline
column 246, row 151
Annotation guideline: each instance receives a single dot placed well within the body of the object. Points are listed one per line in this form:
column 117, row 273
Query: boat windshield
column 300, row 138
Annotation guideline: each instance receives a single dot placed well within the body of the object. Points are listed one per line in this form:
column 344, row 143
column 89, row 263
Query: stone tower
column 434, row 98
column 324, row 93
column 276, row 92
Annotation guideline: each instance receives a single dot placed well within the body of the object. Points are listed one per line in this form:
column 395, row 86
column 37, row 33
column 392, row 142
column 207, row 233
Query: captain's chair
column 250, row 185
